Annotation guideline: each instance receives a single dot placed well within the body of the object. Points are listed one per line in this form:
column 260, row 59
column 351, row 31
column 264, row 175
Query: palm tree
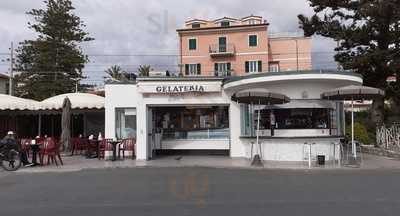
column 116, row 73
column 144, row 70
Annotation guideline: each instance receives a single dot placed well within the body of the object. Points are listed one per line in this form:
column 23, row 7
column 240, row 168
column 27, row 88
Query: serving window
column 192, row 122
column 287, row 119
column 302, row 118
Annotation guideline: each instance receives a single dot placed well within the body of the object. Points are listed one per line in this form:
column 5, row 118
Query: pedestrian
column 272, row 122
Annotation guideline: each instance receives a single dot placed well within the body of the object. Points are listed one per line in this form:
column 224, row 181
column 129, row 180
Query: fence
column 388, row 137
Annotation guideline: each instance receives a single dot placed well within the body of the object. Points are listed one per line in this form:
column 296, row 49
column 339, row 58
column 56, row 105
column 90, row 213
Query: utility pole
column 10, row 91
column 297, row 55
column 337, row 46
column 77, row 85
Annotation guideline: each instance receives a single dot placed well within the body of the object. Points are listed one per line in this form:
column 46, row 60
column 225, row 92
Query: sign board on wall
column 178, row 88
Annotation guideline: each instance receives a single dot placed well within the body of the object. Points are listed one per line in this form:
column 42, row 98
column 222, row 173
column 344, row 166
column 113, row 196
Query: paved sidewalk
column 77, row 163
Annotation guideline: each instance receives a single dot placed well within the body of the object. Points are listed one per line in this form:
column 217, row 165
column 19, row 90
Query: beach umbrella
column 353, row 93
column 66, row 124
column 259, row 97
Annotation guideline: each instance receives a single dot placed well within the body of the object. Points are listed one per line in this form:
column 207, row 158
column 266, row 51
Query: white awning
column 8, row 102
column 78, row 101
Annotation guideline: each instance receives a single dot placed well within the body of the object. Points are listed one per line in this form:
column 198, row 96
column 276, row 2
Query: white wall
column 238, row 149
column 294, row 85
column 293, row 149
column 129, row 96
column 118, row 96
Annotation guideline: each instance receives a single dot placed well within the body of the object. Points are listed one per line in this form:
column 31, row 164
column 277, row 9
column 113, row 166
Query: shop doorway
column 189, row 130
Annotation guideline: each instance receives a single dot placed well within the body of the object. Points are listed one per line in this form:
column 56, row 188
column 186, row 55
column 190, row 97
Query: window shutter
column 253, row 40
column 228, row 66
column 259, row 66
column 247, row 67
column 186, row 69
column 198, row 69
column 192, row 44
column 216, row 69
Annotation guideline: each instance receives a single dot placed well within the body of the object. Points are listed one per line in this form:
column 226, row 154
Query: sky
column 136, row 32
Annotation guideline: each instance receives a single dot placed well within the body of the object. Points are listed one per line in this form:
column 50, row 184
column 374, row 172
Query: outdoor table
column 35, row 149
column 114, row 145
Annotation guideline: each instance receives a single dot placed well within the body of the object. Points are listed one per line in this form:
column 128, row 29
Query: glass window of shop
column 281, row 119
column 302, row 119
column 192, row 122
column 125, row 123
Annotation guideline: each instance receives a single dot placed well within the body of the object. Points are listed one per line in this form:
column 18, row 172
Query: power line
column 175, row 54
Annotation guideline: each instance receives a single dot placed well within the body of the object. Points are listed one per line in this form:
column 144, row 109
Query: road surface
column 201, row 191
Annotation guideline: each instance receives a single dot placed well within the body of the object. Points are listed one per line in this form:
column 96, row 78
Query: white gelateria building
column 197, row 115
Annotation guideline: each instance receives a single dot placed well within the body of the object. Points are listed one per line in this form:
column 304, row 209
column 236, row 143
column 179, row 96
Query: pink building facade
column 237, row 47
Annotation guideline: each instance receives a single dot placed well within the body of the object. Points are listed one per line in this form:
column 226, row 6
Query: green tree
column 116, row 73
column 368, row 35
column 360, row 133
column 144, row 70
column 51, row 64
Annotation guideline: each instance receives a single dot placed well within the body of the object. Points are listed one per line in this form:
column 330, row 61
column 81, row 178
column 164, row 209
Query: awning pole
column 353, row 145
column 40, row 125
column 84, row 124
column 258, row 130
column 309, row 156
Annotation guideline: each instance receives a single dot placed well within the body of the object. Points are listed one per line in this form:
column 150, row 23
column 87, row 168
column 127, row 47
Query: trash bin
column 321, row 160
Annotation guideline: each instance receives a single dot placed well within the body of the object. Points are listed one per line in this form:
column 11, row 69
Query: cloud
column 146, row 27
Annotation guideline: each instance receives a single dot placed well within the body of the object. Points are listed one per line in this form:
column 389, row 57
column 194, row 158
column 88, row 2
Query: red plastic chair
column 104, row 146
column 51, row 149
column 127, row 145
column 79, row 144
column 40, row 140
column 26, row 146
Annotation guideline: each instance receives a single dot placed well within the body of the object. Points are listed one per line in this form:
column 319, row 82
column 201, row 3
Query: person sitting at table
column 11, row 143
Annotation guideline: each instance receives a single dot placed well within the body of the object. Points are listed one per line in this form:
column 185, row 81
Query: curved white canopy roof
column 78, row 101
column 8, row 102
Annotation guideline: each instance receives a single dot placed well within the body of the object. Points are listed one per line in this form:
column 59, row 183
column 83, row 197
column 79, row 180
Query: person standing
column 273, row 122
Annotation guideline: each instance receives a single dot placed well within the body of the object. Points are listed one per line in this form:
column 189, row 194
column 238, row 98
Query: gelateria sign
column 179, row 88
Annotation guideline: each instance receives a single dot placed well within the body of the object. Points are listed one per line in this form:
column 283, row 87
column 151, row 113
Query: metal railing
column 226, row 73
column 221, row 49
column 388, row 137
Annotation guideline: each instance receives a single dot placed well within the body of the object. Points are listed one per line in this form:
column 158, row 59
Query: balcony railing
column 227, row 73
column 218, row 50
